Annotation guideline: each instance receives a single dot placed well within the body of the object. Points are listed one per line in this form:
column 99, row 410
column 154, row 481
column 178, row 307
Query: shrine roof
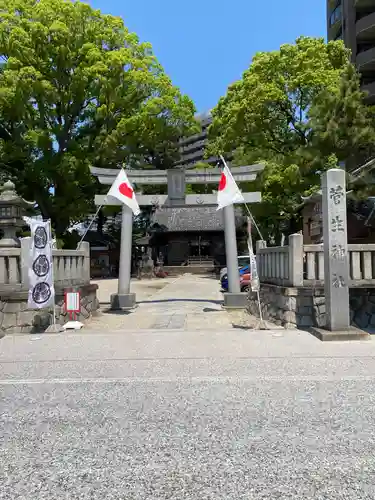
column 193, row 218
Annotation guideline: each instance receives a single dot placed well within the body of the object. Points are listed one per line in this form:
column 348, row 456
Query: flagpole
column 255, row 224
column 260, row 308
column 89, row 226
column 262, row 325
column 222, row 159
column 53, row 278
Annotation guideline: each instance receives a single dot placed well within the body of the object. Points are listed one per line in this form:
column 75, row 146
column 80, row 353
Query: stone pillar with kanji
column 336, row 257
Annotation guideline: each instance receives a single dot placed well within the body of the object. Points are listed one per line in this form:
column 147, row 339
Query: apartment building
column 353, row 21
column 192, row 148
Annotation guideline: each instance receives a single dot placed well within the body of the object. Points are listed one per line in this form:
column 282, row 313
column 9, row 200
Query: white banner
column 41, row 289
column 255, row 284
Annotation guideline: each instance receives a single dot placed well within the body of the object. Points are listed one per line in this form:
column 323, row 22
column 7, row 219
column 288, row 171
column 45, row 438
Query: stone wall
column 15, row 317
column 290, row 307
column 302, row 307
column 362, row 308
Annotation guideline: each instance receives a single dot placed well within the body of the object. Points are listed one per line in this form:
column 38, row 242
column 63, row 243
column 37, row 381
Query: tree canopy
column 342, row 124
column 293, row 109
column 267, row 110
column 78, row 89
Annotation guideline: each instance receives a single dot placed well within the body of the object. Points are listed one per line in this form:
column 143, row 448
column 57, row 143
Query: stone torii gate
column 176, row 180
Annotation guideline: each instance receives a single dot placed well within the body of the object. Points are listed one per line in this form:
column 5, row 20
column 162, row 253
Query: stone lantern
column 12, row 208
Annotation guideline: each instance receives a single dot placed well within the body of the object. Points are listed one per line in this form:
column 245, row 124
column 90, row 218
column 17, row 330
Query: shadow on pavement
column 242, row 327
column 107, row 310
column 212, row 301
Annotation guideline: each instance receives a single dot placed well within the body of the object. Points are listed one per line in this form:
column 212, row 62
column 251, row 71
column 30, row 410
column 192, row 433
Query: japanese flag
column 228, row 192
column 122, row 190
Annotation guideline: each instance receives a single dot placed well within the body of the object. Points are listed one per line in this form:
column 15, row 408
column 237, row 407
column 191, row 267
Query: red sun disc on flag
column 126, row 190
column 223, row 182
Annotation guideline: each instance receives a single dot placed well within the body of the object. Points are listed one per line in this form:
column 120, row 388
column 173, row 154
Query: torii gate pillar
column 234, row 298
column 123, row 299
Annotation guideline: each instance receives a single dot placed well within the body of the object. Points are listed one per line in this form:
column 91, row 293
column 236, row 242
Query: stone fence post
column 25, row 261
column 260, row 244
column 260, row 258
column 296, row 259
column 85, row 246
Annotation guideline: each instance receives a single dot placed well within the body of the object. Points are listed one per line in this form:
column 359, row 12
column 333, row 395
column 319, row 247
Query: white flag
column 228, row 192
column 255, row 284
column 41, row 289
column 123, row 191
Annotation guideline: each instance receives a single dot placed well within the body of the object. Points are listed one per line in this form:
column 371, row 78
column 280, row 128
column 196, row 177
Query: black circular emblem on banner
column 40, row 237
column 41, row 266
column 41, row 293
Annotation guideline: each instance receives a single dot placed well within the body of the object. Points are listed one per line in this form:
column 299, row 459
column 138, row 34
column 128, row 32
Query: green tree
column 342, row 124
column 280, row 113
column 78, row 89
column 266, row 112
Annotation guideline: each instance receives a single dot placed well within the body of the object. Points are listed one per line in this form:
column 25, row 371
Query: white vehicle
column 243, row 260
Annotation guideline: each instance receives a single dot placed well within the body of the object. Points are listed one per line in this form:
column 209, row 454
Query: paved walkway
column 189, row 302
column 192, row 409
column 186, row 415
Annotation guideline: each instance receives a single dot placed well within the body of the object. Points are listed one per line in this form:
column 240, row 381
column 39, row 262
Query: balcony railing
column 365, row 28
column 366, row 58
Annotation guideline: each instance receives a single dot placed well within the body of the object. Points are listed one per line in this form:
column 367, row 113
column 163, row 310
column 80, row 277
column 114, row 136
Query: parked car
column 244, row 271
column 243, row 260
column 245, row 282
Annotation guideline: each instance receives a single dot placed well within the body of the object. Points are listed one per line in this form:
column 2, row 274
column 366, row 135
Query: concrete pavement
column 189, row 302
column 178, row 414
column 185, row 409
column 143, row 288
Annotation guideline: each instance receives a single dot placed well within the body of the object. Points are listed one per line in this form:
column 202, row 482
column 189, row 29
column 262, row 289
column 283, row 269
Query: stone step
column 179, row 270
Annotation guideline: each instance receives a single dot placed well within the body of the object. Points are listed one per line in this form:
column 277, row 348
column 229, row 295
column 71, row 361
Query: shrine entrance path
column 188, row 302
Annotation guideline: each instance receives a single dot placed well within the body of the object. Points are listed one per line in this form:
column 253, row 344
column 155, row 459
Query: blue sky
column 204, row 45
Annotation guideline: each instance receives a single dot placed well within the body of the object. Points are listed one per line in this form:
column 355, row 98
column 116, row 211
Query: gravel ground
column 186, row 415
column 180, row 440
